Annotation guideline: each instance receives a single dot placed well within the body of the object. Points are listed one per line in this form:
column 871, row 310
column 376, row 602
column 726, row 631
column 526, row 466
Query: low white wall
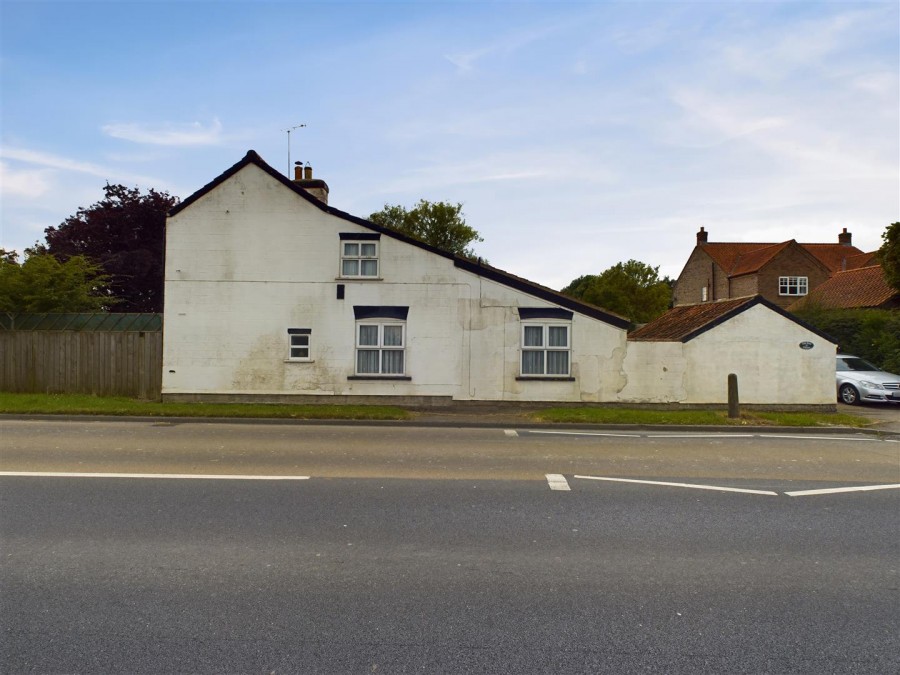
column 654, row 373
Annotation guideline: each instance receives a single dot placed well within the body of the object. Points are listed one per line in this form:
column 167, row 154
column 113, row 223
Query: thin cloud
column 29, row 184
column 49, row 161
column 192, row 134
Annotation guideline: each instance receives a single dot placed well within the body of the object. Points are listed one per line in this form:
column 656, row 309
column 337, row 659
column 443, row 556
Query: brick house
column 780, row 272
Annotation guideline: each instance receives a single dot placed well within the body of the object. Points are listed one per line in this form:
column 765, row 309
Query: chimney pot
column 307, row 173
column 701, row 236
column 298, row 172
column 845, row 238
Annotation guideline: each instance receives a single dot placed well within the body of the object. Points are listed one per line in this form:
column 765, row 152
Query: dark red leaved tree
column 125, row 234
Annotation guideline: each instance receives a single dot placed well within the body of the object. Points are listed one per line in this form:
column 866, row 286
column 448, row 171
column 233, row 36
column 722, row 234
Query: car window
column 854, row 363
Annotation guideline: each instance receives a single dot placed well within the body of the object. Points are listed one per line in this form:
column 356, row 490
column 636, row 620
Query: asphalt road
column 416, row 550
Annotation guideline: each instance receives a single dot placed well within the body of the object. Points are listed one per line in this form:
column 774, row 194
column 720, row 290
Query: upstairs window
column 546, row 349
column 359, row 255
column 793, row 285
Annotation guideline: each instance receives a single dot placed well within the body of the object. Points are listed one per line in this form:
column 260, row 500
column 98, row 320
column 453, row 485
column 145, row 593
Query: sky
column 576, row 134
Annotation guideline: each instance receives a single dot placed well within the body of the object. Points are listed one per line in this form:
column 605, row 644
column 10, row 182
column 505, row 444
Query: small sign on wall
column 806, row 345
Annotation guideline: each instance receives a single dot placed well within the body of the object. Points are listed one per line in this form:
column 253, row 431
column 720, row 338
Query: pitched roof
column 685, row 322
column 863, row 287
column 738, row 258
column 473, row 266
column 833, row 256
column 854, row 262
column 752, row 261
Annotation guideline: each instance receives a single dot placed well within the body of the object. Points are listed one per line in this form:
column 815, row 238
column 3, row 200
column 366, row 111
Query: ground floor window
column 380, row 348
column 299, row 339
column 793, row 285
column 545, row 349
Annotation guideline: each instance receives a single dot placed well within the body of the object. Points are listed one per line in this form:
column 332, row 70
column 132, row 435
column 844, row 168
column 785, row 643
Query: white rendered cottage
column 270, row 293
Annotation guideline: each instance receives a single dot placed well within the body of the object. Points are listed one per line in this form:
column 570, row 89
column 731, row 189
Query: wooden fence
column 82, row 362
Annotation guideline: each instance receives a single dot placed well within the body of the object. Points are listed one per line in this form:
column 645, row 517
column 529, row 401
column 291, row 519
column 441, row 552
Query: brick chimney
column 845, row 238
column 701, row 237
column 303, row 177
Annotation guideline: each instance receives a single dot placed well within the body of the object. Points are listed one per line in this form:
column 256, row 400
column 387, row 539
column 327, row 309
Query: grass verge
column 695, row 417
column 83, row 404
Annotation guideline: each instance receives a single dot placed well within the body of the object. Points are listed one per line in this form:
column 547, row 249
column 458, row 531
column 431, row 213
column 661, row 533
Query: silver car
column 859, row 381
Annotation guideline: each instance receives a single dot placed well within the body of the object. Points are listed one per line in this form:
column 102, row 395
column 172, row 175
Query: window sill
column 401, row 378
column 543, row 378
column 359, row 278
column 299, row 360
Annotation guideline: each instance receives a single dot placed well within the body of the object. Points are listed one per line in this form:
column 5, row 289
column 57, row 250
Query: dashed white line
column 729, row 435
column 683, row 485
column 581, row 433
column 183, row 476
column 510, row 432
column 831, row 491
column 820, row 438
column 557, row 481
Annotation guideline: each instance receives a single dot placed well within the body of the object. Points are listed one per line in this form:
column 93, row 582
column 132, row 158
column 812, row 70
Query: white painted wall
column 251, row 259
column 760, row 346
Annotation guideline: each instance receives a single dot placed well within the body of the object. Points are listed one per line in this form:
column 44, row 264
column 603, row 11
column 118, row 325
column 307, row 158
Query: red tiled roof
column 679, row 322
column 863, row 287
column 738, row 258
column 833, row 256
column 726, row 254
column 854, row 262
column 753, row 261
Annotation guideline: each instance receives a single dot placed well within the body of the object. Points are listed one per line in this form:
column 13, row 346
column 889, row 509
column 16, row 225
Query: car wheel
column 849, row 394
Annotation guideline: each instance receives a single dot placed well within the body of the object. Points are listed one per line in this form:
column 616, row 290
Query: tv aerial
column 299, row 126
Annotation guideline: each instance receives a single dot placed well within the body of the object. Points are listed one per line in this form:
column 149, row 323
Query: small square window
column 299, row 340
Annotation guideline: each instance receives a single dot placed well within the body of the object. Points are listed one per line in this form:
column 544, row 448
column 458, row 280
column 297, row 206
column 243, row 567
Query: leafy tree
column 124, row 233
column 889, row 254
column 873, row 334
column 44, row 284
column 632, row 289
column 440, row 224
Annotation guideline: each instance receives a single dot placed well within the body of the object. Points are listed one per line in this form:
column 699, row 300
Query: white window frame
column 380, row 347
column 793, row 286
column 298, row 341
column 545, row 348
column 349, row 256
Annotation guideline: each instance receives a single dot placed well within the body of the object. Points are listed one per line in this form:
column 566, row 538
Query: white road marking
column 684, row 485
column 557, row 481
column 720, row 435
column 831, row 491
column 581, row 433
column 819, row 438
column 510, row 432
column 186, row 476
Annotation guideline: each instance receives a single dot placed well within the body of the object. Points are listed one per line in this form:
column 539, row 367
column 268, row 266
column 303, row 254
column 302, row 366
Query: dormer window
column 359, row 255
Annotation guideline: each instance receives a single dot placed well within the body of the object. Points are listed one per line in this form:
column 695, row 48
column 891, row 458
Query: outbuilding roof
column 863, row 287
column 475, row 266
column 685, row 322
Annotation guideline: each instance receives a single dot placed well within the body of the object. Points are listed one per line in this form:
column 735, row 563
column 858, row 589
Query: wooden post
column 734, row 410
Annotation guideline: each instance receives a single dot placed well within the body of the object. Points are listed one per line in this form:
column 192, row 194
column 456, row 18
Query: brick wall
column 700, row 271
column 793, row 262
